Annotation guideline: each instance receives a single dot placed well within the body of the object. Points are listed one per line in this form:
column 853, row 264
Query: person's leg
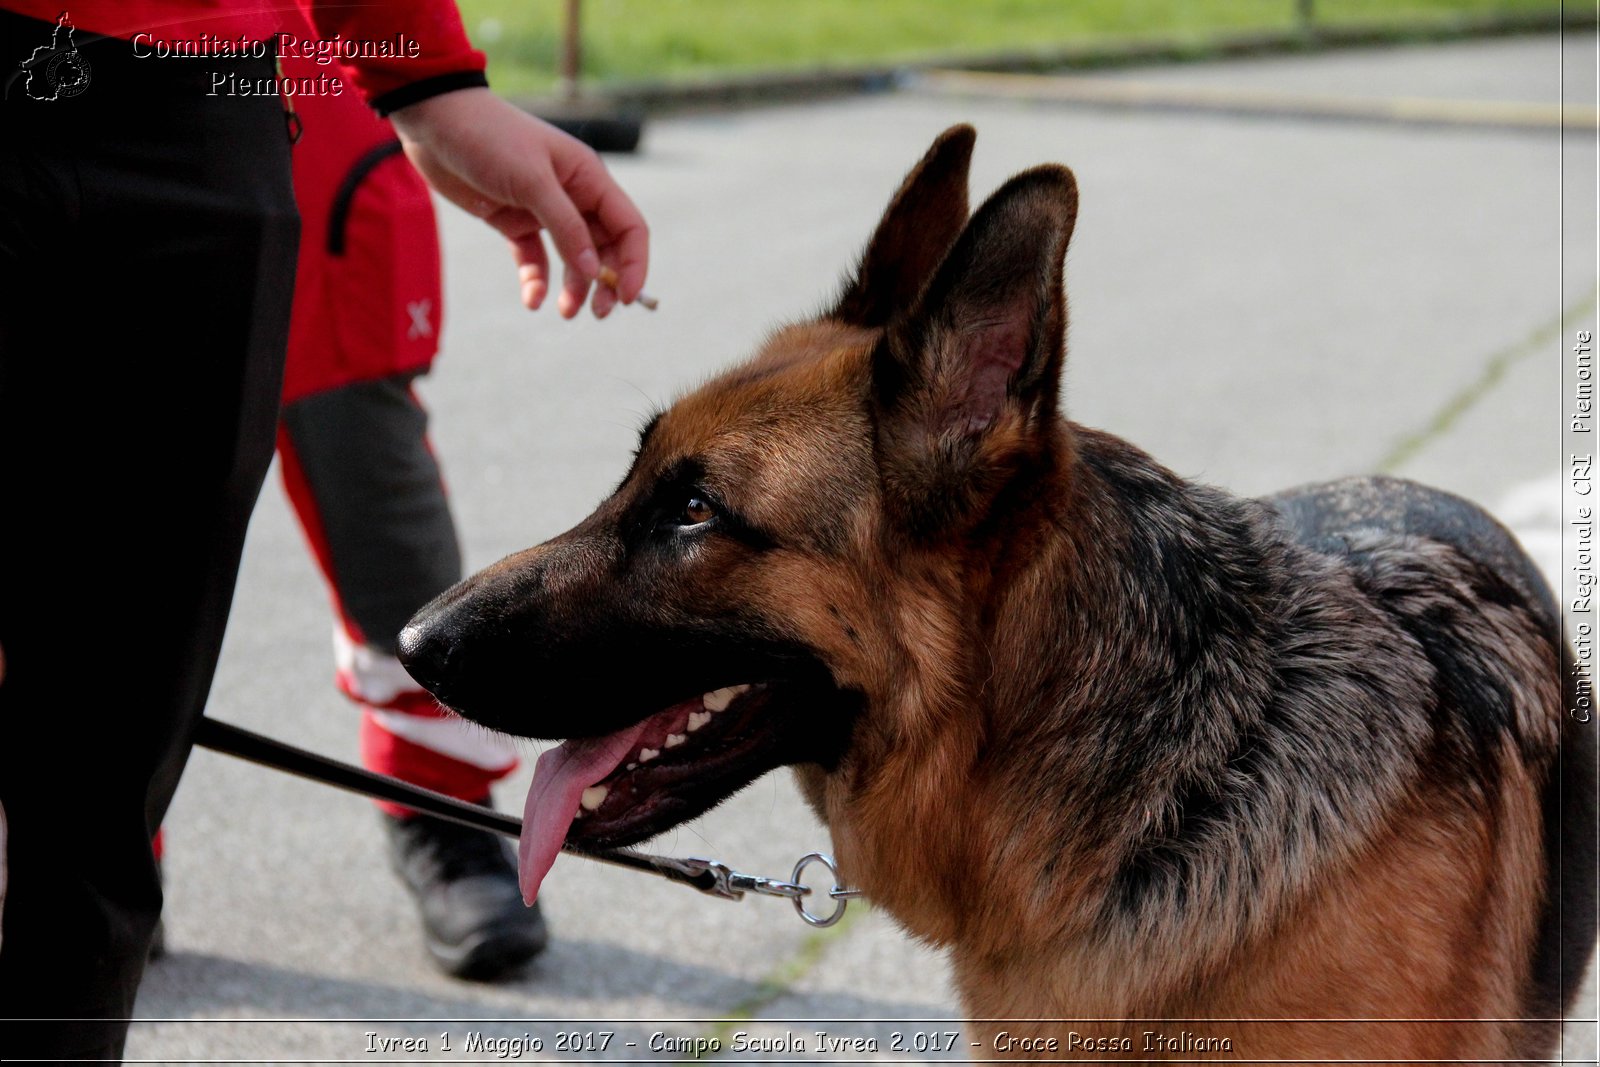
column 147, row 244
column 368, row 493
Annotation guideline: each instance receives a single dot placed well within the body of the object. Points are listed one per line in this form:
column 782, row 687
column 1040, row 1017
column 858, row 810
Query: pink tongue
column 559, row 779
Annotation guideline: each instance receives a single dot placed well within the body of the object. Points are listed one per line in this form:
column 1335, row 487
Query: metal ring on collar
column 839, row 893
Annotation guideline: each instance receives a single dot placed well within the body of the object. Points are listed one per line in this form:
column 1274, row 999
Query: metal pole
column 572, row 49
column 1306, row 10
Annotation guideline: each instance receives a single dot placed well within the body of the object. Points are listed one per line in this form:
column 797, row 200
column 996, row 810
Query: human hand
column 523, row 176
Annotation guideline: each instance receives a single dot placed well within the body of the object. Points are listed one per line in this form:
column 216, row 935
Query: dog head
column 782, row 577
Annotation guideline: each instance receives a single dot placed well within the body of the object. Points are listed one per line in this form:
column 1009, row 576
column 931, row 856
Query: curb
column 1115, row 93
column 658, row 97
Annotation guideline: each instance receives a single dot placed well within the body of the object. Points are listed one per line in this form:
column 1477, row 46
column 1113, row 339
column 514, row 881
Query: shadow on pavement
column 186, row 985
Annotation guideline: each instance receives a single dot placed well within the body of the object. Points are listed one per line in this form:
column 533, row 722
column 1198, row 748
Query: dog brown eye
column 696, row 511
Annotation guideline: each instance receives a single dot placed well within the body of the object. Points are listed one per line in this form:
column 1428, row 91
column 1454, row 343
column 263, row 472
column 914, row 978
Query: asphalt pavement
column 1255, row 301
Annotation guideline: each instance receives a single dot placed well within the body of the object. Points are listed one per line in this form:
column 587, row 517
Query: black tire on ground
column 609, row 133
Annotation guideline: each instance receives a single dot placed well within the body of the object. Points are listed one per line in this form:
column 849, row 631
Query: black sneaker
column 465, row 885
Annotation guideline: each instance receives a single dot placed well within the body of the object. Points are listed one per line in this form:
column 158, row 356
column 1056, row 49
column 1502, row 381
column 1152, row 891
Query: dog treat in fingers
column 609, row 277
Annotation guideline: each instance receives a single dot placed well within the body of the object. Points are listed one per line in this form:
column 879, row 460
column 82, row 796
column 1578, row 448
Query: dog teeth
column 593, row 796
column 648, row 754
column 673, row 740
column 718, row 700
column 631, row 766
column 698, row 719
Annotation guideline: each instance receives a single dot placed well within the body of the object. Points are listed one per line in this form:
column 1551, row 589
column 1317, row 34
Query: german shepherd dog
column 1131, row 748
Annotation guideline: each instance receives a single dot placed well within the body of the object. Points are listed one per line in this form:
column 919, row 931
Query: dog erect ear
column 969, row 376
column 921, row 223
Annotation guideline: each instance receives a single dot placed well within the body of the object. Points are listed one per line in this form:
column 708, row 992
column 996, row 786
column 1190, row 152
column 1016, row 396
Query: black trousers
column 373, row 503
column 147, row 249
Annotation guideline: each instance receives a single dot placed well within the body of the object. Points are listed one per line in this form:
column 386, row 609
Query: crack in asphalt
column 1495, row 368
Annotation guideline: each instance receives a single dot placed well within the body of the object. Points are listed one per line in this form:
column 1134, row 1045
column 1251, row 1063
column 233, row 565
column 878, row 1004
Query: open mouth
column 605, row 792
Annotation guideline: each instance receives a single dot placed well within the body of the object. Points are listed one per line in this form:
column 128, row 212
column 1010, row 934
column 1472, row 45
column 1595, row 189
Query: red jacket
column 427, row 49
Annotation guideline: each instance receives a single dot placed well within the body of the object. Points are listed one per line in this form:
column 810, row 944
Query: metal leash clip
column 729, row 884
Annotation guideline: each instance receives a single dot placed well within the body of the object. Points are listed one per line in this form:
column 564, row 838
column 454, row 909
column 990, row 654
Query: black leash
column 708, row 876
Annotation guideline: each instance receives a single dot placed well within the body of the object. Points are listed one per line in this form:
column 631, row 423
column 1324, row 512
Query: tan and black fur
column 1129, row 747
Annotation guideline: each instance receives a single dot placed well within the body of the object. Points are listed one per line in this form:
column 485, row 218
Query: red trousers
column 353, row 439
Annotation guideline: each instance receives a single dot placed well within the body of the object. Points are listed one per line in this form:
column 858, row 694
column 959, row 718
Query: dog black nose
column 427, row 653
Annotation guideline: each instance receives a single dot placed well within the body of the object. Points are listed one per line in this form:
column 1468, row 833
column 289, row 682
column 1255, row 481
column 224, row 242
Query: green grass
column 630, row 40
